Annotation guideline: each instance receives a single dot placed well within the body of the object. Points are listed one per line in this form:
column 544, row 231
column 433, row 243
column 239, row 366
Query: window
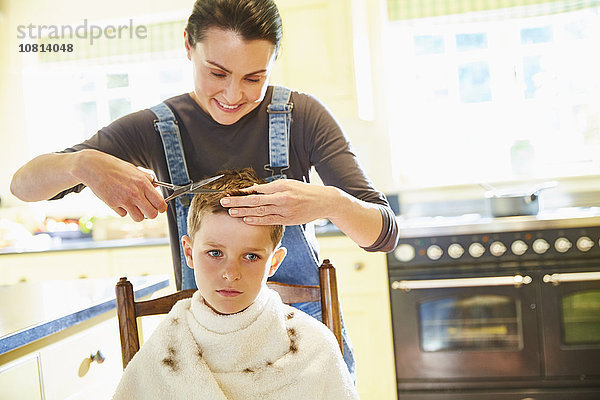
column 70, row 98
column 77, row 99
column 490, row 96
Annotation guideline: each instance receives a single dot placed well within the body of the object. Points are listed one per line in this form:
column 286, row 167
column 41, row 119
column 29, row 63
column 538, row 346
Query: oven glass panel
column 480, row 322
column 581, row 318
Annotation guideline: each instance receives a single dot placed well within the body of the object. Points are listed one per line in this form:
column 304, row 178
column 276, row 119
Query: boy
column 235, row 339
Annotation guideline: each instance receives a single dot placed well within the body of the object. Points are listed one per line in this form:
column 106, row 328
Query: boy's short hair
column 231, row 183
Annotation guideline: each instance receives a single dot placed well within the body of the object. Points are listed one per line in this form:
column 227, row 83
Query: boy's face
column 231, row 261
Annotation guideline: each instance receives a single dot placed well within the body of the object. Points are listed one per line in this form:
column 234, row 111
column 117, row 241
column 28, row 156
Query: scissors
column 194, row 187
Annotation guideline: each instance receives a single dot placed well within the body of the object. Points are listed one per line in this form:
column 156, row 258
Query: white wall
column 13, row 143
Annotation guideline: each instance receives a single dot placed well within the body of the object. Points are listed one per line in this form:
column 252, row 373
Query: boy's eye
column 253, row 80
column 217, row 74
column 214, row 253
column 252, row 257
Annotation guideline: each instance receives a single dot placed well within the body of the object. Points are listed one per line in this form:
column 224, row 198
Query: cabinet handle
column 98, row 357
column 516, row 280
column 358, row 266
column 555, row 279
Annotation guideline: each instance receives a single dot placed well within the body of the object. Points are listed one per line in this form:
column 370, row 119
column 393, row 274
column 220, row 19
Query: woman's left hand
column 281, row 202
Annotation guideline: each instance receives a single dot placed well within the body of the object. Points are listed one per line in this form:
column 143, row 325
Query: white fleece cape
column 268, row 351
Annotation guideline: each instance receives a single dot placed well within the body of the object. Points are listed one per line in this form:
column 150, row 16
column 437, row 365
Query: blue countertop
column 32, row 311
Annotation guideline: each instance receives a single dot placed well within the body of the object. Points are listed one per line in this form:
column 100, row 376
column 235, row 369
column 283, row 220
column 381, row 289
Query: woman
column 232, row 119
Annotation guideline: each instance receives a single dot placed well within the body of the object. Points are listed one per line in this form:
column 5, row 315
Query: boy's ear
column 277, row 259
column 186, row 242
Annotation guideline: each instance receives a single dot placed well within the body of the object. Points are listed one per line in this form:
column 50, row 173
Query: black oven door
column 571, row 323
column 472, row 327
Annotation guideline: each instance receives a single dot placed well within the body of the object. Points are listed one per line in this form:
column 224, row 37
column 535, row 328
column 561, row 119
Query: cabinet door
column 38, row 267
column 364, row 298
column 140, row 261
column 67, row 367
column 21, row 380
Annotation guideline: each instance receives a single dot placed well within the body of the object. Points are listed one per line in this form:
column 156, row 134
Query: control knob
column 518, row 247
column 434, row 252
column 455, row 250
column 497, row 249
column 540, row 246
column 562, row 245
column 404, row 252
column 476, row 250
column 584, row 243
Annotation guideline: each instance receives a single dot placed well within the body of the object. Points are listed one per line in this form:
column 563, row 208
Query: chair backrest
column 128, row 310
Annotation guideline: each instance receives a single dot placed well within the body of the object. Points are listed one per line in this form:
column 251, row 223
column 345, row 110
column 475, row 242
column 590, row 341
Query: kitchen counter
column 32, row 311
column 84, row 244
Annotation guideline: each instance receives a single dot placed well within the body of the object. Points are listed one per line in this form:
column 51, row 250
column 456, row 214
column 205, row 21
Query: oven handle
column 555, row 279
column 516, row 280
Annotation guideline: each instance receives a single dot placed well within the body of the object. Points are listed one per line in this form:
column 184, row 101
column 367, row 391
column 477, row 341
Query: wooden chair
column 128, row 309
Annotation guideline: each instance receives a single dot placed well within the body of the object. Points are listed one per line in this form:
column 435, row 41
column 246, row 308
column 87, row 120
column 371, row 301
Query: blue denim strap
column 280, row 118
column 301, row 265
column 166, row 126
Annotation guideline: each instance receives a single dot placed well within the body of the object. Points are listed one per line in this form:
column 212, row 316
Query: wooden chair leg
column 330, row 308
column 130, row 341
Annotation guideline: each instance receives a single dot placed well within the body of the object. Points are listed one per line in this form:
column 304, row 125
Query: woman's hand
column 123, row 187
column 291, row 202
column 281, row 202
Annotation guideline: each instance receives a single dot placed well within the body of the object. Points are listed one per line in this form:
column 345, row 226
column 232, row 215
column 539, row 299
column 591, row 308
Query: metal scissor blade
column 204, row 182
column 181, row 190
column 194, row 187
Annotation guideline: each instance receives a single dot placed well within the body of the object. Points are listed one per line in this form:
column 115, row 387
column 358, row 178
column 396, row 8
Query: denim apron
column 301, row 265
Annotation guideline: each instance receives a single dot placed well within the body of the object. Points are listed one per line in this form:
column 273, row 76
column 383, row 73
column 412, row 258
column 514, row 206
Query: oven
column 498, row 311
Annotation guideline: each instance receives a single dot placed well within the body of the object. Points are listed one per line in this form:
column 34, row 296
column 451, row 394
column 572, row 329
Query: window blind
column 415, row 9
column 160, row 37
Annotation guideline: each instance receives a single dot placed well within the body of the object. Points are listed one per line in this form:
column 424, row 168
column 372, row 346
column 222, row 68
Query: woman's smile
column 228, row 108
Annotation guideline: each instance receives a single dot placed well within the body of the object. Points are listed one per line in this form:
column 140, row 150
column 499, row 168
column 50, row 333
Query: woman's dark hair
column 251, row 19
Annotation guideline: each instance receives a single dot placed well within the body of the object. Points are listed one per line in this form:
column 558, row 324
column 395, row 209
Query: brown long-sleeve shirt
column 316, row 139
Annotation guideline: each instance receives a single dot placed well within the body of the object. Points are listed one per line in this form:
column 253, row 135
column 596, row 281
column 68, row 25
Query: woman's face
column 230, row 74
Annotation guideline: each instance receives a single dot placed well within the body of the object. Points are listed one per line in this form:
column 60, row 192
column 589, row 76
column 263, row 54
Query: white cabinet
column 68, row 370
column 87, row 263
column 20, row 379
column 59, row 366
column 364, row 298
column 60, row 339
column 142, row 261
column 43, row 266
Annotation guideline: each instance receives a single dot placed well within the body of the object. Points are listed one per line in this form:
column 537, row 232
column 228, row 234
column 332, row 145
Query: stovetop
column 571, row 217
column 565, row 234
